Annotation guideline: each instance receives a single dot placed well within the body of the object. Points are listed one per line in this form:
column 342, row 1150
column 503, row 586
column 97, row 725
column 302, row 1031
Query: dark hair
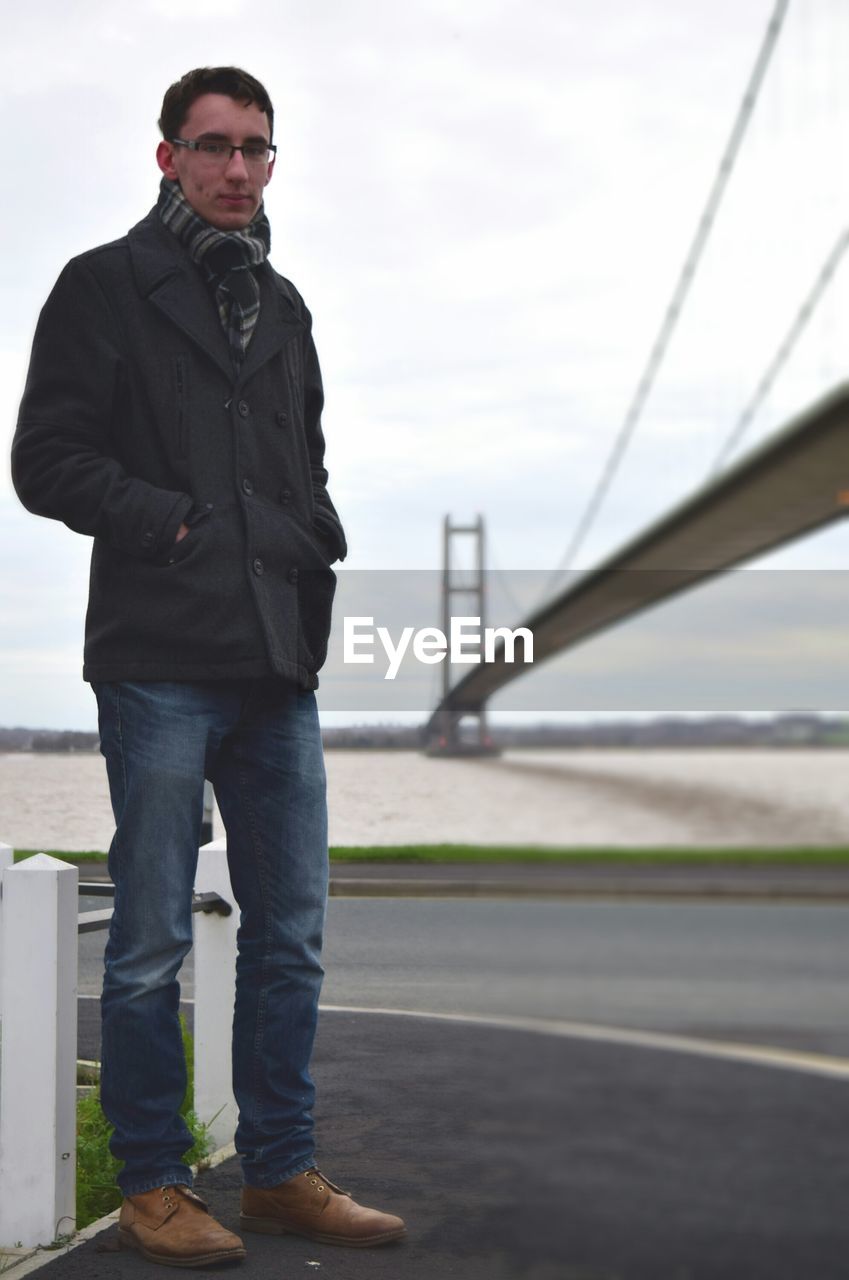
column 232, row 81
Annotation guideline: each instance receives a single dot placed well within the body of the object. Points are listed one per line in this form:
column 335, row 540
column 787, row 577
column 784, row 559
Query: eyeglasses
column 217, row 152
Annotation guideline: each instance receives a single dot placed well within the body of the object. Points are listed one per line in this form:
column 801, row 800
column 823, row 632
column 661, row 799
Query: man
column 172, row 410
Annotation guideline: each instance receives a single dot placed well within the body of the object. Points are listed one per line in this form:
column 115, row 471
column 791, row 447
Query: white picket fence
column 38, row 1012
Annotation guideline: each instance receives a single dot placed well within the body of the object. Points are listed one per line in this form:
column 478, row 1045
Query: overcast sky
column 486, row 204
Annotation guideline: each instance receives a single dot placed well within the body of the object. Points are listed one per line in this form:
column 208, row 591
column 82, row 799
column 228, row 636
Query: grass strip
column 475, row 853
column 813, row 855
column 817, row 855
column 66, row 855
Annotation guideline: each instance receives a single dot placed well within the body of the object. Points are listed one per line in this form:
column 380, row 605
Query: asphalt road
column 766, row 973
column 515, row 1155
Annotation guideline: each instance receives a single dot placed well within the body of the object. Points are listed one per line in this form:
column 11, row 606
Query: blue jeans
column 258, row 742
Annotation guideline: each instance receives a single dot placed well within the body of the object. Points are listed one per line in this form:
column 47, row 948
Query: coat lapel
column 277, row 324
column 187, row 300
column 170, row 280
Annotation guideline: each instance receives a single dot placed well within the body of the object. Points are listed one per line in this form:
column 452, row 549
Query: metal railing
column 40, row 925
column 94, row 921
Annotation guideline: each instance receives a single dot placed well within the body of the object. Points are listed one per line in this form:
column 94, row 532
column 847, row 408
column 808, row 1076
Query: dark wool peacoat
column 133, row 421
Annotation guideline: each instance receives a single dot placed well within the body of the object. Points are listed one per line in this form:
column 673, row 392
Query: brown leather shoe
column 309, row 1205
column 173, row 1226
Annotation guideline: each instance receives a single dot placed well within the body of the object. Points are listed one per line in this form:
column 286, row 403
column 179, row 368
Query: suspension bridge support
column 463, row 561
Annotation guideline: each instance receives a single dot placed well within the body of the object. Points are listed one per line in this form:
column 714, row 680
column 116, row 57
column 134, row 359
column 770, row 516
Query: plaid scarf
column 226, row 257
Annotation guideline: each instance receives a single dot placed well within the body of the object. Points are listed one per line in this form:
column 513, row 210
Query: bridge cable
column 501, row 578
column 785, row 349
column 685, row 279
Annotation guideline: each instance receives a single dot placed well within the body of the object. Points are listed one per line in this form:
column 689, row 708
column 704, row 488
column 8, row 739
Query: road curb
column 649, row 890
column 600, row 881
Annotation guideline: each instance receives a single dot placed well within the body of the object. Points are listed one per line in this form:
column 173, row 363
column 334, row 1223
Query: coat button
column 247, row 487
column 285, row 496
column 242, row 409
column 147, row 539
column 293, row 576
column 258, row 567
column 282, row 418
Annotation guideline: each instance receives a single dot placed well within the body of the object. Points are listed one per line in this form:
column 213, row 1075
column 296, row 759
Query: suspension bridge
column 793, row 483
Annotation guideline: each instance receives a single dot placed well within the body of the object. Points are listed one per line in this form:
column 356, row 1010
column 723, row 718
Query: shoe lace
column 318, row 1180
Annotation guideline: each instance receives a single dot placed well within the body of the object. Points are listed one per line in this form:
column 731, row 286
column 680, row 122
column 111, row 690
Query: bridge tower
column 463, row 561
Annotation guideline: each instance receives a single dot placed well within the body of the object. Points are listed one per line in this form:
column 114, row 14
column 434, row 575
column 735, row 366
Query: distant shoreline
column 663, row 732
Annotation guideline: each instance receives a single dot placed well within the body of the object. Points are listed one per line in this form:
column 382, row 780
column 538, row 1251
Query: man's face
column 227, row 193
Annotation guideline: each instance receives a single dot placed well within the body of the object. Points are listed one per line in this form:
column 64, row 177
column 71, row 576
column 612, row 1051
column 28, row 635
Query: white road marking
column 754, row 1054
column 757, row 1055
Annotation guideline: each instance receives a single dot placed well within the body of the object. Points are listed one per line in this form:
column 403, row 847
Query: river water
column 551, row 797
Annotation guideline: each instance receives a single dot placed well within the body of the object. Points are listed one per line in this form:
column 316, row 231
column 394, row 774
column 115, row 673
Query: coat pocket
column 298, row 586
